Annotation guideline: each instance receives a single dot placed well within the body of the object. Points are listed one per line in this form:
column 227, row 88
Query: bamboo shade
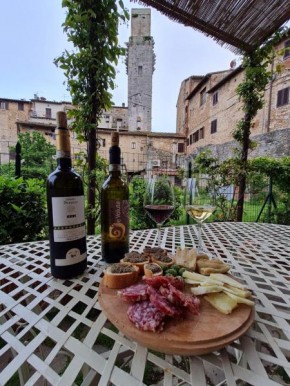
column 240, row 25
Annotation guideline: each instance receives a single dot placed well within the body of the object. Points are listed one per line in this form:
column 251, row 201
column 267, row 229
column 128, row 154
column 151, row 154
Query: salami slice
column 159, row 281
column 146, row 316
column 163, row 304
column 134, row 293
column 185, row 300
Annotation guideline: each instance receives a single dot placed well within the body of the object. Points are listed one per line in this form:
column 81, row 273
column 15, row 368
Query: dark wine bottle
column 114, row 209
column 66, row 215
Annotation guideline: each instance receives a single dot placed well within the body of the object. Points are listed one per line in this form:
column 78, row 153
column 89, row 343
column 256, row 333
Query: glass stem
column 159, row 235
column 199, row 236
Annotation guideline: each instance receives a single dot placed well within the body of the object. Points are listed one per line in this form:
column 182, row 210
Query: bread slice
column 149, row 273
column 120, row 280
column 163, row 261
column 137, row 264
column 206, row 267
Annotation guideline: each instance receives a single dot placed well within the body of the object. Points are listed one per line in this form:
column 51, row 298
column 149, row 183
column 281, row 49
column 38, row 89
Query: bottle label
column 114, row 167
column 73, row 256
column 68, row 214
column 118, row 219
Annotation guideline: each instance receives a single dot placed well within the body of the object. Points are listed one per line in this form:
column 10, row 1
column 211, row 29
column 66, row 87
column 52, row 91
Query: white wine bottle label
column 73, row 256
column 118, row 219
column 68, row 214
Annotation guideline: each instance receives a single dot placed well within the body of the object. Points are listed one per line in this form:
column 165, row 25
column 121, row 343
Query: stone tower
column 140, row 67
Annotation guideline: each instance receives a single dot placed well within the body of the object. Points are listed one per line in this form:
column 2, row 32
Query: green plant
column 22, row 211
column 92, row 27
column 36, row 155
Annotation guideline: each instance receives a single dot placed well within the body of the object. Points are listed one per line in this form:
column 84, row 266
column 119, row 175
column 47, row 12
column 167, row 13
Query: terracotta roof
column 204, row 79
column 14, row 100
column 226, row 79
column 240, row 25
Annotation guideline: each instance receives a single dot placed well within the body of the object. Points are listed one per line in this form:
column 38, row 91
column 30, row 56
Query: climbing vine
column 258, row 72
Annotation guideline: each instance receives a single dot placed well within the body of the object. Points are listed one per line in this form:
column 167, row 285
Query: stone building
column 208, row 107
column 140, row 66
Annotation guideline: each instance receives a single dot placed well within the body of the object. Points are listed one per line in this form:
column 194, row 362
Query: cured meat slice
column 159, row 281
column 134, row 293
column 185, row 300
column 146, row 316
column 163, row 304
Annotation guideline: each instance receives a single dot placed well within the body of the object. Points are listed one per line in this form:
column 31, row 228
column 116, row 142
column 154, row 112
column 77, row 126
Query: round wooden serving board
column 192, row 335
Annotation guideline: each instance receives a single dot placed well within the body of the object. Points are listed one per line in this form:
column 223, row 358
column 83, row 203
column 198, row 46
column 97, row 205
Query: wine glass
column 159, row 201
column 199, row 204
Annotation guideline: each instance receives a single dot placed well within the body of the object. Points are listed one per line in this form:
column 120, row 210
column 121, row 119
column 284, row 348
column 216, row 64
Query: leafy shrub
column 22, row 211
column 36, row 155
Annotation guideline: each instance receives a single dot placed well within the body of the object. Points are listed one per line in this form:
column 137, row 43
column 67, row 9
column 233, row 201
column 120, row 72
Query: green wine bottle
column 66, row 215
column 114, row 209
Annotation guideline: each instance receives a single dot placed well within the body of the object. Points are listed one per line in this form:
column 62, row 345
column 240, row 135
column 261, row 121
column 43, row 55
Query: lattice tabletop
column 54, row 333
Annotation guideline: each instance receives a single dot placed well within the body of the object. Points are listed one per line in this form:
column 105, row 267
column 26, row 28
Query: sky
column 32, row 36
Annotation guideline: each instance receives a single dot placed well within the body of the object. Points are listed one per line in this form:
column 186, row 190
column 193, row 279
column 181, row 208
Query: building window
column 190, row 139
column 187, row 141
column 20, row 106
column 133, row 145
column 119, row 123
column 202, row 97
column 140, row 70
column 4, row 105
column 201, row 133
column 138, row 123
column 107, row 118
column 47, row 113
column 195, row 136
column 287, row 50
column 213, row 127
column 180, row 148
column 215, row 98
column 283, row 97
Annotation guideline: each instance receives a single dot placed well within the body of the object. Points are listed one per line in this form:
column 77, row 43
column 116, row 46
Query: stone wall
column 274, row 144
column 227, row 111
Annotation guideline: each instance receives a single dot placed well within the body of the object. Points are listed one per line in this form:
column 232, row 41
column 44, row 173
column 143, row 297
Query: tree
column 36, row 155
column 92, row 27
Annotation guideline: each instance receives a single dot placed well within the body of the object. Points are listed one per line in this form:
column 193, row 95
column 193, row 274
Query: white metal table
column 54, row 333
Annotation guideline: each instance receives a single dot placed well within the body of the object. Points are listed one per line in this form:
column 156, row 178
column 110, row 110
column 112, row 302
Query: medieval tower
column 140, row 67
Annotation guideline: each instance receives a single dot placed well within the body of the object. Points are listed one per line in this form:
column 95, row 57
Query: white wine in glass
column 198, row 204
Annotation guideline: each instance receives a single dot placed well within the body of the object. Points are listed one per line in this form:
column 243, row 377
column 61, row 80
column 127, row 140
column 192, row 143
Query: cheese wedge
column 221, row 302
column 227, row 280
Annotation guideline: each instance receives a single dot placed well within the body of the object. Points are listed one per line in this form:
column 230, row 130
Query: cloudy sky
column 32, row 36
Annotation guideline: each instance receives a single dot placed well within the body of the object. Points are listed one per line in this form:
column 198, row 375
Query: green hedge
column 22, row 210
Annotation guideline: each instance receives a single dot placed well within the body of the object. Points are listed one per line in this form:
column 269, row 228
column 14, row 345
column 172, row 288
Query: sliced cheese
column 228, row 280
column 238, row 299
column 206, row 290
column 197, row 277
column 236, row 291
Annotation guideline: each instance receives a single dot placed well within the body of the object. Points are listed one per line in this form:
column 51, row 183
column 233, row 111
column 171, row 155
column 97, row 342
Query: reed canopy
column 240, row 25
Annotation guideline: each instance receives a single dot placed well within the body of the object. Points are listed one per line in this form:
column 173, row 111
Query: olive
column 176, row 267
column 172, row 272
column 164, row 267
column 179, row 277
column 180, row 272
column 168, row 274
